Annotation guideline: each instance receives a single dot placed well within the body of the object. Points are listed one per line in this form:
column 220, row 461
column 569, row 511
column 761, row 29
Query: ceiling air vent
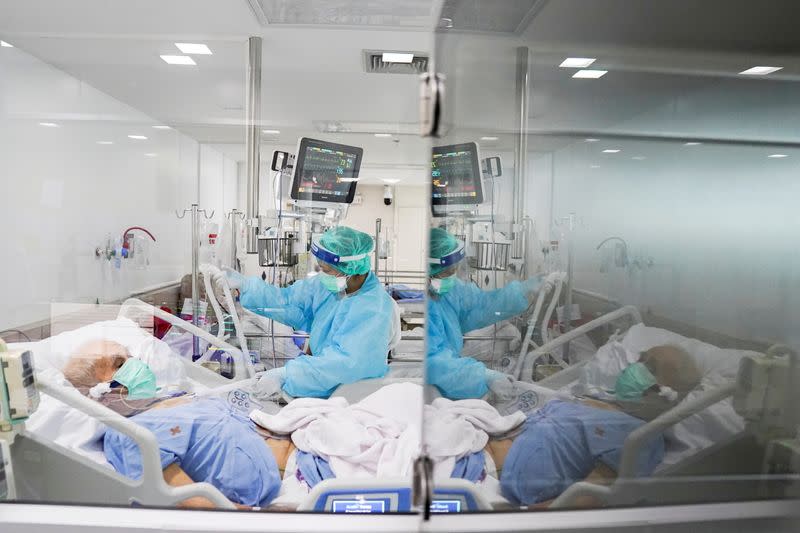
column 374, row 63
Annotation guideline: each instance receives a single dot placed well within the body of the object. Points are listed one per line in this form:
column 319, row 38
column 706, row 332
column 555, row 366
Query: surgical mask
column 137, row 377
column 633, row 382
column 443, row 285
column 335, row 284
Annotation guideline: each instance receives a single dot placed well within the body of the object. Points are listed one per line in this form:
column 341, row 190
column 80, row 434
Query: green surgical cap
column 344, row 241
column 441, row 243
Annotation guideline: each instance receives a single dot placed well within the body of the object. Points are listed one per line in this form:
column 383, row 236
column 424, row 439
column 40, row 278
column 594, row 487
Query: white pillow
column 53, row 353
column 57, row 422
column 598, row 377
column 713, row 424
column 710, row 360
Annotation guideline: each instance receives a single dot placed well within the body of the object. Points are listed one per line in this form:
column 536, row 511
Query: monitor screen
column 359, row 506
column 446, row 506
column 456, row 175
column 326, row 172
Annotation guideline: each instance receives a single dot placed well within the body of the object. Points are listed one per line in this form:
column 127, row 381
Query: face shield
column 334, row 267
column 443, row 270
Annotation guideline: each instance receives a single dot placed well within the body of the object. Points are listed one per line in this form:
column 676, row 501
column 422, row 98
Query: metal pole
column 570, row 269
column 253, row 140
column 234, row 214
column 377, row 245
column 521, row 155
column 195, row 281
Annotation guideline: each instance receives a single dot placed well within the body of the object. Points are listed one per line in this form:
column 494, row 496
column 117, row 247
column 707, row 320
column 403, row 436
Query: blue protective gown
column 562, row 443
column 463, row 309
column 210, row 442
column 349, row 335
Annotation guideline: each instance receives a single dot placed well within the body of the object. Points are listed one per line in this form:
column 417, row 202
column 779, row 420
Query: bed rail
column 525, row 370
column 242, row 364
column 552, row 284
column 638, row 437
column 209, row 272
column 151, row 489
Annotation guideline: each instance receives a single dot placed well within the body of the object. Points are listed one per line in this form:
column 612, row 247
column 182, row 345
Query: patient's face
column 109, row 356
column 672, row 367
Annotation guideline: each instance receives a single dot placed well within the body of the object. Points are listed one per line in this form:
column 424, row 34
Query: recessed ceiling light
column 612, row 151
column 397, row 57
column 638, row 158
column 693, row 143
column 48, row 124
column 105, row 142
column 590, row 74
column 594, row 166
column 137, row 137
column 488, row 138
column 760, row 71
column 383, row 135
column 270, row 132
column 4, row 44
column 591, row 140
column 161, row 127
column 577, row 62
column 150, row 154
column 194, row 48
column 390, row 180
column 178, row 60
column 777, row 156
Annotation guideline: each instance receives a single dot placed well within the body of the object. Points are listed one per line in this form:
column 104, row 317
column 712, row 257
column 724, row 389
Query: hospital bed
column 710, row 453
column 49, row 470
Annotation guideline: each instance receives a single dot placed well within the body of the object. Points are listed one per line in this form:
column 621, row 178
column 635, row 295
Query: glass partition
column 612, row 259
column 213, row 221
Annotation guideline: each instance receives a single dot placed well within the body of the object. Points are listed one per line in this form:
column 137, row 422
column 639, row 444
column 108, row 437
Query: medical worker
column 345, row 308
column 456, row 307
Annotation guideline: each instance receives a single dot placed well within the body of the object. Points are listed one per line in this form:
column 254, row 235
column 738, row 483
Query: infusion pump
column 19, row 396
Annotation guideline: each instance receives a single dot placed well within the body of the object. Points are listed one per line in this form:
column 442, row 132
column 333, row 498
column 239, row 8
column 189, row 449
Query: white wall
column 362, row 217
column 720, row 223
column 63, row 193
column 403, row 223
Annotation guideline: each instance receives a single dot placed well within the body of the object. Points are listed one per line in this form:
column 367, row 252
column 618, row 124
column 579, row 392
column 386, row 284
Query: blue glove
column 269, row 385
column 502, row 385
column 533, row 284
column 235, row 279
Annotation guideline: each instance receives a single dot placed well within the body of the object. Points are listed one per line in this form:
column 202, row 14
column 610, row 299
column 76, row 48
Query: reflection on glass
column 457, row 307
column 656, row 363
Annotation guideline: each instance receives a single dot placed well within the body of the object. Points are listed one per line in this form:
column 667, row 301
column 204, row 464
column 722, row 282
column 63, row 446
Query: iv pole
column 195, row 264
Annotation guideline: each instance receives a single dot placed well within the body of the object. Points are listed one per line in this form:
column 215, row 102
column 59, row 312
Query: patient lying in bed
column 565, row 442
column 199, row 439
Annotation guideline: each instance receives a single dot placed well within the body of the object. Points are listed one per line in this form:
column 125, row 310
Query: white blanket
column 380, row 436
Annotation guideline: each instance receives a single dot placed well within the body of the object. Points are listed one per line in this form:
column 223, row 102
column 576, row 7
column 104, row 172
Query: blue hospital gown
column 349, row 336
column 210, row 443
column 562, row 443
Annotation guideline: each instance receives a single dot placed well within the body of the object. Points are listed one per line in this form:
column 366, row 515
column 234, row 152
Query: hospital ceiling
column 313, row 52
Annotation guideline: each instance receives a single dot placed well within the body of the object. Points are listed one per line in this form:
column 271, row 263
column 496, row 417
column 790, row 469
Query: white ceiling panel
column 127, row 18
column 392, row 13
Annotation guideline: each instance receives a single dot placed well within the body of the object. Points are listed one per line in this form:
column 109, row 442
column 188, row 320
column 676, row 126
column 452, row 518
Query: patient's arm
column 281, row 449
column 498, row 450
column 601, row 475
column 176, row 477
